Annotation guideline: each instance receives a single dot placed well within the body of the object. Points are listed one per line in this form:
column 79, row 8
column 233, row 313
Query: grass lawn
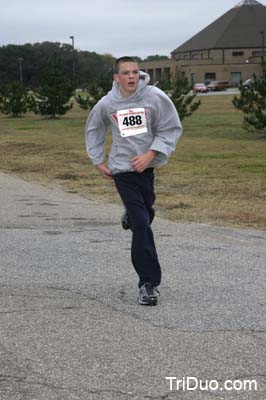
column 217, row 174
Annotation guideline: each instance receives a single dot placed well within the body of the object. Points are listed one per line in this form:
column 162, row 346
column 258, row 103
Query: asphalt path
column 70, row 325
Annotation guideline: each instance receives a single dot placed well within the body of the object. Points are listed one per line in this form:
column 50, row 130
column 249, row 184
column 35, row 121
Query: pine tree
column 182, row 99
column 53, row 96
column 89, row 100
column 96, row 92
column 13, row 99
column 252, row 102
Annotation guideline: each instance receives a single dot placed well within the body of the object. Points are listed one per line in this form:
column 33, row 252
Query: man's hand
column 140, row 163
column 104, row 171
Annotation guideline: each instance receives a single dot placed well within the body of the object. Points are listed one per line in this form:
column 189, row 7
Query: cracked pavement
column 70, row 325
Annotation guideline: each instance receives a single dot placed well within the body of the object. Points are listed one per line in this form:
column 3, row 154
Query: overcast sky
column 120, row 27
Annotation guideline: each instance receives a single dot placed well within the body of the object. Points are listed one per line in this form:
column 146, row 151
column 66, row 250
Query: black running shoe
column 148, row 295
column 124, row 221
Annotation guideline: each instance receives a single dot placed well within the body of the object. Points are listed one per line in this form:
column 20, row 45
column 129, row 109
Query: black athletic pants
column 137, row 193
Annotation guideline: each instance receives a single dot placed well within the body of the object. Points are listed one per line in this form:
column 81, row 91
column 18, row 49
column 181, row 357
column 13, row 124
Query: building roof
column 240, row 27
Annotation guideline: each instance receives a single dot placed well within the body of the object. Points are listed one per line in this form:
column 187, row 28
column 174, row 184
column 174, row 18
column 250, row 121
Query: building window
column 150, row 72
column 258, row 53
column 166, row 73
column 237, row 53
column 158, row 74
column 193, row 78
column 184, row 56
column 235, row 78
column 210, row 76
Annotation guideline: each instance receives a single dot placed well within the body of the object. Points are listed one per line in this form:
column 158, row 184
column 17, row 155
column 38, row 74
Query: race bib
column 132, row 121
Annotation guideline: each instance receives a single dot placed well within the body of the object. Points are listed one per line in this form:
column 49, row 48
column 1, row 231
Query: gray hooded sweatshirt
column 146, row 120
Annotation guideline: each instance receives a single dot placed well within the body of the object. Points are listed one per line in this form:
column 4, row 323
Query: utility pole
column 262, row 42
column 73, row 64
column 20, row 61
column 263, row 62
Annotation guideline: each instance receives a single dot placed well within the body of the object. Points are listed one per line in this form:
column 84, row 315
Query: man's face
column 127, row 77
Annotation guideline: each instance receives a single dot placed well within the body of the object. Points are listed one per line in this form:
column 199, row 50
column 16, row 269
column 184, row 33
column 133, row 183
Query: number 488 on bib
column 132, row 122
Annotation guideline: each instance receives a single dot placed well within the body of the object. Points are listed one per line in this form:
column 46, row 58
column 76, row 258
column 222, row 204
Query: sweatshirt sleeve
column 167, row 127
column 96, row 131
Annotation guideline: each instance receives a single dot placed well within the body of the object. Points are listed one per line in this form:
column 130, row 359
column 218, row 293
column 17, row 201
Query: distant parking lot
column 231, row 91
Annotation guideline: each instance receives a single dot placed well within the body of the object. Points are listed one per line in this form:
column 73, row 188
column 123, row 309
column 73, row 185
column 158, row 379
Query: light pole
column 263, row 63
column 73, row 62
column 20, row 61
column 262, row 42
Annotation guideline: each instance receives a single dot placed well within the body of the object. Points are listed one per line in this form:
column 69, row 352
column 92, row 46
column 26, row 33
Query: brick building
column 229, row 49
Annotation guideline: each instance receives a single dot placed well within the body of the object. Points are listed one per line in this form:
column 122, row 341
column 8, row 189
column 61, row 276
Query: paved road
column 71, row 328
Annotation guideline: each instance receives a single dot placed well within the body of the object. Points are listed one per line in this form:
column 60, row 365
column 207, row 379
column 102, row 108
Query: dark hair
column 122, row 60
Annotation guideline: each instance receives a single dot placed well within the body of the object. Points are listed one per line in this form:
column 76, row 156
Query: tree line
column 27, row 63
column 42, row 78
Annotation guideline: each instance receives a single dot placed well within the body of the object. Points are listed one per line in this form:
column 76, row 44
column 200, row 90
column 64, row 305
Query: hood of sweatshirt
column 115, row 93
